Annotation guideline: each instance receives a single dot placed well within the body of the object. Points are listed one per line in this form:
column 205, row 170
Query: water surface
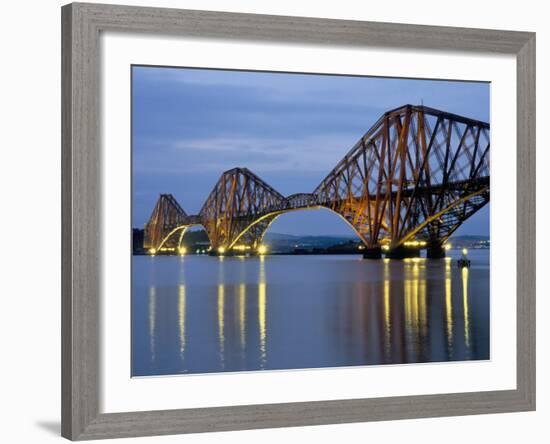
column 201, row 314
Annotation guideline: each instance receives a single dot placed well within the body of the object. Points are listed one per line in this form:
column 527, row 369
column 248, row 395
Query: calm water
column 200, row 314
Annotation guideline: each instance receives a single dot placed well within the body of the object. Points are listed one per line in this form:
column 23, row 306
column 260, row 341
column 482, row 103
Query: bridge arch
column 174, row 238
column 275, row 215
column 468, row 205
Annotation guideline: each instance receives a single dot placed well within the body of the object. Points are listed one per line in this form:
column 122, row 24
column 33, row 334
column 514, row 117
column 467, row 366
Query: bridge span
column 413, row 178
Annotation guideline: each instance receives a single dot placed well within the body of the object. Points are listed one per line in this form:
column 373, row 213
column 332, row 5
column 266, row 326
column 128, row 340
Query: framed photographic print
column 278, row 221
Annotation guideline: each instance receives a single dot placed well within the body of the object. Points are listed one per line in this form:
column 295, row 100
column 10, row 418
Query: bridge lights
column 221, row 250
column 415, row 243
column 464, row 262
column 386, row 190
column 152, row 251
column 447, row 247
column 182, row 251
column 262, row 249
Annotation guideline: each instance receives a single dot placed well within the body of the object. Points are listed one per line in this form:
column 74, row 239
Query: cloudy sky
column 190, row 125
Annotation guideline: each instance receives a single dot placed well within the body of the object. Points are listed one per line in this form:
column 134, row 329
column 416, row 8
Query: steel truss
column 417, row 174
column 167, row 217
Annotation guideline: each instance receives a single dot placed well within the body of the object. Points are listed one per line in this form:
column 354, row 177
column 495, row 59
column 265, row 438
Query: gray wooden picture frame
column 81, row 242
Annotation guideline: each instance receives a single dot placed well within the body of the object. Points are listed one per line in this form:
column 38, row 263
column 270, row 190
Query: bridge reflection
column 152, row 319
column 231, row 299
column 181, row 319
column 387, row 311
column 449, row 308
column 399, row 312
column 262, row 308
column 465, row 282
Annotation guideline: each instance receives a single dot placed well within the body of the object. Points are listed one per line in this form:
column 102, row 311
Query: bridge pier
column 372, row 253
column 403, row 252
column 435, row 250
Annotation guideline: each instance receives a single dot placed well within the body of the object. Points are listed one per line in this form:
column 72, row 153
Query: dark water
column 200, row 314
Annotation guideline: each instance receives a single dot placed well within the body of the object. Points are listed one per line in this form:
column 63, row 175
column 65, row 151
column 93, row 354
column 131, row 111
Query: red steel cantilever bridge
column 411, row 180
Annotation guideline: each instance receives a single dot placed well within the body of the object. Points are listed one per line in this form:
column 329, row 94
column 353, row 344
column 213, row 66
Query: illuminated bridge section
column 240, row 208
column 414, row 177
column 418, row 173
column 167, row 219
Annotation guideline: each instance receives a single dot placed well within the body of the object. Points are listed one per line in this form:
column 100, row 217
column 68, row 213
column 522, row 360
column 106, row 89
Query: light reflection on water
column 181, row 318
column 202, row 314
column 465, row 282
column 449, row 307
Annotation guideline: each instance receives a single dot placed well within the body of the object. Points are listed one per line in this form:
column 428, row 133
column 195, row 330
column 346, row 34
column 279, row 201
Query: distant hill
column 280, row 243
column 470, row 237
column 279, row 236
column 282, row 236
column 470, row 241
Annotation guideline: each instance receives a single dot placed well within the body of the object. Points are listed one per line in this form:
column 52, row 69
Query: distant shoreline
column 197, row 243
column 283, row 253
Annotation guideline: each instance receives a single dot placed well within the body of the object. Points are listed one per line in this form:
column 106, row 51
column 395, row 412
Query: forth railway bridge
column 413, row 178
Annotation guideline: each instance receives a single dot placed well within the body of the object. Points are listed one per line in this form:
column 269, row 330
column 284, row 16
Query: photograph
column 287, row 221
column 272, row 222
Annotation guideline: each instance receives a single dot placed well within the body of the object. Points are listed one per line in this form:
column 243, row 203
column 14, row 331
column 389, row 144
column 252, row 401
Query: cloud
column 315, row 153
column 190, row 125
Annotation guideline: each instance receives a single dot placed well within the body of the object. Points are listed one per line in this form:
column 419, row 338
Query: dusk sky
column 190, row 125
